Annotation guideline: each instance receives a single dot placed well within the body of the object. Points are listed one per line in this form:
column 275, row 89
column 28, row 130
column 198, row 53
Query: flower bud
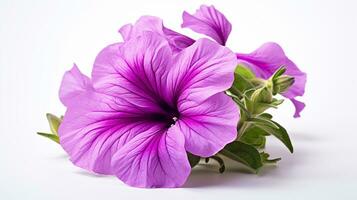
column 262, row 95
column 282, row 83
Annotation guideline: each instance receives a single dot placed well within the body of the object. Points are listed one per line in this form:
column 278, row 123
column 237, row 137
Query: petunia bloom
column 209, row 21
column 176, row 40
column 264, row 61
column 146, row 106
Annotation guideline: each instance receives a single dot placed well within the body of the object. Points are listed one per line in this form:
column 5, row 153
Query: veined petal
column 209, row 21
column 210, row 125
column 134, row 71
column 267, row 59
column 95, row 127
column 200, row 71
column 176, row 40
column 74, row 83
column 154, row 158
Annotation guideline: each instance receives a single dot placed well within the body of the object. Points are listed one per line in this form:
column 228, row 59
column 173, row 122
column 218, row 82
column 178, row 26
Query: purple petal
column 94, row 128
column 134, row 72
column 176, row 40
column 126, row 32
column 267, row 59
column 154, row 158
column 201, row 70
column 209, row 21
column 299, row 107
column 74, row 83
column 210, row 125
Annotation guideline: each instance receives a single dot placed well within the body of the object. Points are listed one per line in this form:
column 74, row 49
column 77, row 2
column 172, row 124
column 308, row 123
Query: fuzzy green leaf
column 254, row 136
column 277, row 130
column 243, row 153
column 266, row 115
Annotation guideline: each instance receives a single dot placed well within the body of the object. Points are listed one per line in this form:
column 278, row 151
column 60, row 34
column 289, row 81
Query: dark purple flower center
column 169, row 116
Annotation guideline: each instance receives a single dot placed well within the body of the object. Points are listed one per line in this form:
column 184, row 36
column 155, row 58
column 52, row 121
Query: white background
column 40, row 40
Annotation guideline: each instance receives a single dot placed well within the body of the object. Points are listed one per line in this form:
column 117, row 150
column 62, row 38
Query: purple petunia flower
column 263, row 61
column 146, row 106
column 176, row 40
column 266, row 60
column 209, row 21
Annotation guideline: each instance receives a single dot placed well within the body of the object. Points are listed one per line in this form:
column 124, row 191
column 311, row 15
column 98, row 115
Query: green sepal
column 249, row 105
column 193, row 159
column 54, row 122
column 262, row 95
column 243, row 153
column 244, row 79
column 279, row 82
column 261, row 107
column 50, row 136
column 278, row 72
column 282, row 84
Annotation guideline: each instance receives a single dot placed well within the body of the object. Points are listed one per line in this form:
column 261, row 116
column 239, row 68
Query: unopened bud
column 282, row 84
column 262, row 95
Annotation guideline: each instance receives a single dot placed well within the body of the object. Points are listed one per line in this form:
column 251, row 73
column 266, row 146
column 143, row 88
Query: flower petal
column 74, row 83
column 176, row 40
column 209, row 126
column 209, row 21
column 200, row 71
column 95, row 127
column 154, row 158
column 267, row 59
column 299, row 107
column 134, row 71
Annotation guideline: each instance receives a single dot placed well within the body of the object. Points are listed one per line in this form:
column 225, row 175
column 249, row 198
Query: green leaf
column 278, row 131
column 54, row 122
column 243, row 153
column 265, row 158
column 193, row 159
column 50, row 136
column 260, row 121
column 266, row 115
column 283, row 136
column 254, row 136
